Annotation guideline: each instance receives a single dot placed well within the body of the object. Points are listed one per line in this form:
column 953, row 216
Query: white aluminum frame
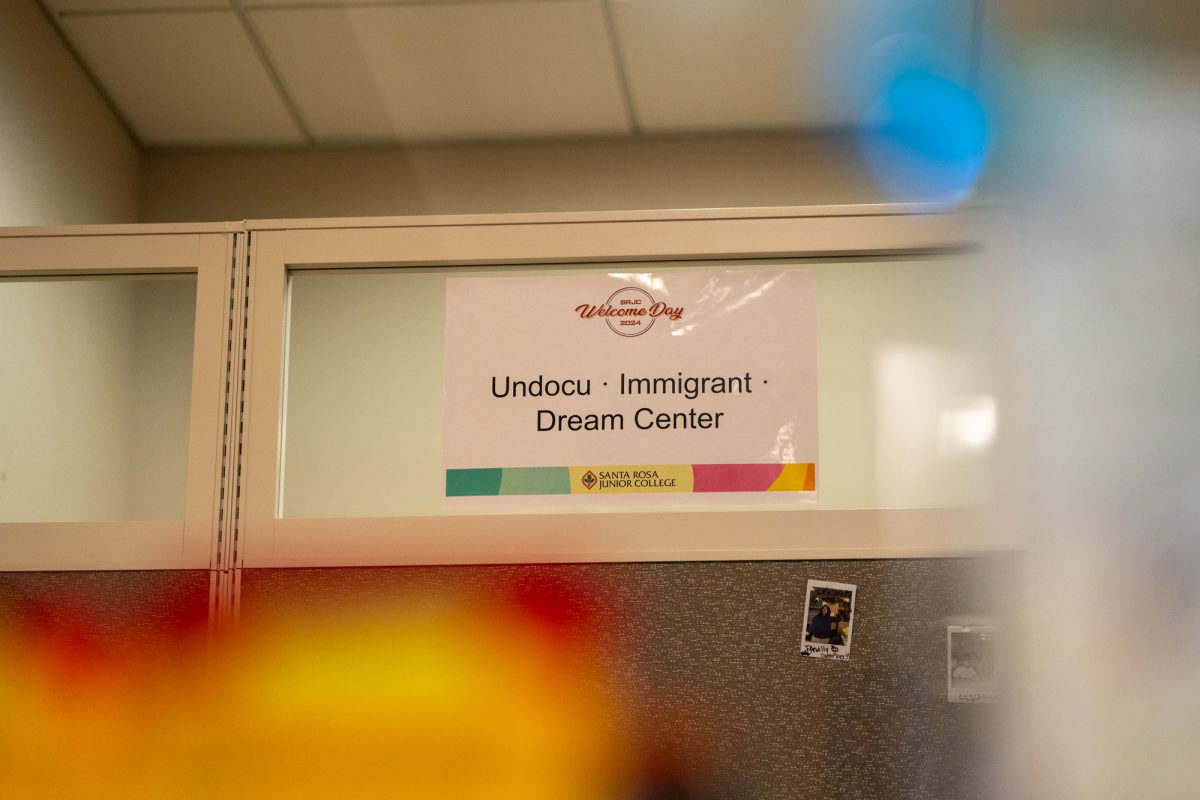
column 206, row 251
column 278, row 246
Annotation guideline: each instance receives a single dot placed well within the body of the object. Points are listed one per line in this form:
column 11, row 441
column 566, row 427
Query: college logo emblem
column 589, row 480
column 630, row 311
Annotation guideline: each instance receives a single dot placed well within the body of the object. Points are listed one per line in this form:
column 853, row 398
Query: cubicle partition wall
column 344, row 451
column 263, row 401
column 313, row 404
column 115, row 366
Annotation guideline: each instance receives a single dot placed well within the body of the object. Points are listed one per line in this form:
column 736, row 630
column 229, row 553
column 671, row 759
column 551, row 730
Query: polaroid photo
column 828, row 620
column 971, row 664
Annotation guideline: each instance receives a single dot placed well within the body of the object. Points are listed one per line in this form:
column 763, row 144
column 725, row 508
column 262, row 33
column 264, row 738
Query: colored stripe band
column 631, row 479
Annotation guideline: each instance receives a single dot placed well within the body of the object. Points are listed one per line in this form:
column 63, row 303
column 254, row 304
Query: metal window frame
column 280, row 246
column 206, row 250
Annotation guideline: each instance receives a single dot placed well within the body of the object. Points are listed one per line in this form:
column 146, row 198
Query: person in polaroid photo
column 841, row 631
column 971, row 664
column 822, row 627
column 827, row 620
column 965, row 671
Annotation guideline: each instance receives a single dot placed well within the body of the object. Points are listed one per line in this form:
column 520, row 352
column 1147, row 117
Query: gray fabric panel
column 706, row 655
column 137, row 607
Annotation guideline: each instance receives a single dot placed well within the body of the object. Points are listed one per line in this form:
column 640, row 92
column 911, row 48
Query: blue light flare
column 926, row 139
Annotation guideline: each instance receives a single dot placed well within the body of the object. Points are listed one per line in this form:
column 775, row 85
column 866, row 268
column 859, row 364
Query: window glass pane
column 906, row 417
column 94, row 397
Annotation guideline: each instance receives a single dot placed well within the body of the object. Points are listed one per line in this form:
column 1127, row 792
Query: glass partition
column 906, row 416
column 95, row 397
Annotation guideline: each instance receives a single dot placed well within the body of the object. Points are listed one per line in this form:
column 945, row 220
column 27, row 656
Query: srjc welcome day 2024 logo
column 630, row 311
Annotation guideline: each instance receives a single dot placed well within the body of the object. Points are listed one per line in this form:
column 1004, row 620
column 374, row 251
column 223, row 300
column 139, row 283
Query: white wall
column 584, row 175
column 64, row 157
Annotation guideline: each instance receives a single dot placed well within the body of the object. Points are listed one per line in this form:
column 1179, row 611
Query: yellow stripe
column 632, row 479
column 792, row 479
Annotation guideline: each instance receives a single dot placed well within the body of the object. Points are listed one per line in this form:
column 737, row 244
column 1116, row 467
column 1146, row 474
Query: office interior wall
column 716, row 641
column 779, row 169
column 64, row 156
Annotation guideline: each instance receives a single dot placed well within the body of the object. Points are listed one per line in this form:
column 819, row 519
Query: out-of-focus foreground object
column 1103, row 287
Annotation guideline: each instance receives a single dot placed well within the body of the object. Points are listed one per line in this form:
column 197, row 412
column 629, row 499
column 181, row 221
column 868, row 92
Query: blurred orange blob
column 454, row 698
column 453, row 702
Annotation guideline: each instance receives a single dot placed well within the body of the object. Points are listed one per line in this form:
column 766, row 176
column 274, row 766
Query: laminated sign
column 631, row 388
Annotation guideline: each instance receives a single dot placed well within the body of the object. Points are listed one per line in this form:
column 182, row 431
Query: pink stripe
column 734, row 477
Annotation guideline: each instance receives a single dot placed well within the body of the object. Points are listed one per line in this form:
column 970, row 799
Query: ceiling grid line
column 289, row 102
column 129, row 12
column 619, row 63
column 94, row 79
column 281, row 6
column 336, row 4
column 248, row 73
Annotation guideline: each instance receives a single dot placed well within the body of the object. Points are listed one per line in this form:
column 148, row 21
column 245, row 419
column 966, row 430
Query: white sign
column 680, row 383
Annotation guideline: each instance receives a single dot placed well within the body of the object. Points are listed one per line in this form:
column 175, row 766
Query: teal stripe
column 536, row 480
column 472, row 482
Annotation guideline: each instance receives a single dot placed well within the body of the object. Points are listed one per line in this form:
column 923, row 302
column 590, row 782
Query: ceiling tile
column 184, row 78
column 330, row 3
column 308, row 3
column 490, row 70
column 252, row 4
column 337, row 94
column 134, row 5
column 696, row 65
